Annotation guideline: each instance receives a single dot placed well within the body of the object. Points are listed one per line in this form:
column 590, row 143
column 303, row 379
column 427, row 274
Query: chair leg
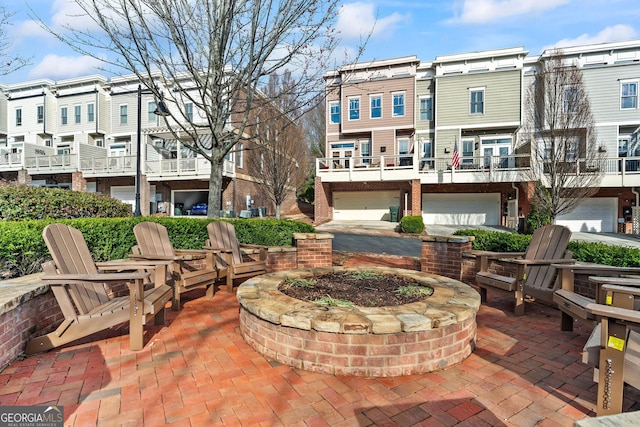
column 519, row 308
column 229, row 282
column 483, row 294
column 210, row 290
column 611, row 369
column 566, row 322
column 175, row 301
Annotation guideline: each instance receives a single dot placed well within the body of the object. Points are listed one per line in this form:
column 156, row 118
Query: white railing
column 52, row 163
column 10, row 161
column 110, row 165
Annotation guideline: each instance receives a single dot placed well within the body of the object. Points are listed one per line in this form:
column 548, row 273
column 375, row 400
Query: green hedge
column 412, row 224
column 22, row 248
column 23, row 202
column 599, row 253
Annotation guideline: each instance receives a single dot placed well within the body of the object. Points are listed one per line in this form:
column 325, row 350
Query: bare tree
column 280, row 155
column 314, row 122
column 9, row 62
column 214, row 54
column 567, row 164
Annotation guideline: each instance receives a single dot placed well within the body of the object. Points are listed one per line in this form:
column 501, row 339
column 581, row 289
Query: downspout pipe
column 635, row 192
column 515, row 187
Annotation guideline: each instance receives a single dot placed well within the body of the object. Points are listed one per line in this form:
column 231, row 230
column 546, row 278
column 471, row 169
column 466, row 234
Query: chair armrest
column 542, row 261
column 63, row 279
column 214, row 249
column 130, row 264
column 613, row 312
column 498, row 255
column 154, row 258
column 190, row 254
column 263, row 250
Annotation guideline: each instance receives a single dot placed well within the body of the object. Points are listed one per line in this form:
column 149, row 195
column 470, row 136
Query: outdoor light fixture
column 161, row 110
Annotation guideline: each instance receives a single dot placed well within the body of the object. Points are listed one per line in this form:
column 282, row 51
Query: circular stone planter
column 420, row 337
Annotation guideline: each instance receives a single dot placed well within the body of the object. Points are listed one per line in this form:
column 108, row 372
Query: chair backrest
column 547, row 242
column 153, row 239
column 223, row 235
column 71, row 255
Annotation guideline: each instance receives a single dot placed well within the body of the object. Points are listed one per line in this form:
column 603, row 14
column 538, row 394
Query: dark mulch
column 368, row 292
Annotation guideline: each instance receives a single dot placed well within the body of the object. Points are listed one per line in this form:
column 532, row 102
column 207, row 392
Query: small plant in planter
column 299, row 283
column 328, row 301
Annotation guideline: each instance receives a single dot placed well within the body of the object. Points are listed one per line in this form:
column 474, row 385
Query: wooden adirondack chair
column 154, row 244
column 80, row 291
column 535, row 276
column 222, row 239
column 614, row 345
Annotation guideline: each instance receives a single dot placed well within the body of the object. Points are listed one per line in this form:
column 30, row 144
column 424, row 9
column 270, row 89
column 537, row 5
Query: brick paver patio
column 197, row 371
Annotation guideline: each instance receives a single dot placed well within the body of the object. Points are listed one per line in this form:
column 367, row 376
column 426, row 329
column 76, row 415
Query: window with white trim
column 77, row 114
column 628, row 95
column 354, row 108
column 426, row 108
column 376, row 106
column 64, row 112
column 151, row 115
column 476, row 100
column 188, row 111
column 40, row 114
column 398, row 104
column 365, row 151
column 240, row 155
column 18, row 116
column 91, row 112
column 570, row 100
column 124, row 114
column 334, row 112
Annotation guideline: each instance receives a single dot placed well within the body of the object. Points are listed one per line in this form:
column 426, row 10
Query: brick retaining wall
column 380, row 355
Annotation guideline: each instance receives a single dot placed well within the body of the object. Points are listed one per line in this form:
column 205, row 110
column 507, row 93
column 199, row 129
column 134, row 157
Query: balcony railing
column 617, row 171
column 118, row 165
column 51, row 163
column 185, row 168
column 10, row 161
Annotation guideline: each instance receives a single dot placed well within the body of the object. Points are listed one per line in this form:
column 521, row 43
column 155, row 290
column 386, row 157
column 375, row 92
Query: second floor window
column 123, row 114
column 354, row 109
column 40, row 114
column 570, row 100
column 398, row 104
column 91, row 113
column 334, row 111
column 629, row 95
column 376, row 106
column 426, row 109
column 77, row 112
column 188, row 111
column 151, row 108
column 18, row 116
column 64, row 115
column 476, row 101
column 239, row 156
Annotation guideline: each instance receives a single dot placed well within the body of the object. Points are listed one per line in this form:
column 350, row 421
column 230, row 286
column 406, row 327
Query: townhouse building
column 89, row 133
column 445, row 139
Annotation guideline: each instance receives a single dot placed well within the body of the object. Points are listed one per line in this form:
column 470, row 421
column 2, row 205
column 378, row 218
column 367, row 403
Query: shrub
column 22, row 202
column 22, row 249
column 599, row 253
column 412, row 224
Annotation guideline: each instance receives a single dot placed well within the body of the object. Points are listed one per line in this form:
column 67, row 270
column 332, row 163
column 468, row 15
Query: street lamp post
column 137, row 212
column 161, row 110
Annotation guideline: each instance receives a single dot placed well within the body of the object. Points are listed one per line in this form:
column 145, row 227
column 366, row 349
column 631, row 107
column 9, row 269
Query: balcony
column 53, row 163
column 10, row 161
column 109, row 166
column 186, row 168
column 616, row 171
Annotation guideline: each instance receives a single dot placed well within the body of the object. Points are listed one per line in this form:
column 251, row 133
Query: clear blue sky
column 398, row 27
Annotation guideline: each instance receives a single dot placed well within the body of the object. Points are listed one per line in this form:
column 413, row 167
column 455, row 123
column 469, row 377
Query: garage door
column 461, row 209
column 364, row 205
column 597, row 214
column 127, row 194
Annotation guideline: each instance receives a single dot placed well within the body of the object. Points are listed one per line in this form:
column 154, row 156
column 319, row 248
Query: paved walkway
column 197, row 371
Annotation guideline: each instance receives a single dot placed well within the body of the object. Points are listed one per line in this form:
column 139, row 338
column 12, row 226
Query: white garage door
column 127, row 194
column 364, row 205
column 461, row 209
column 597, row 214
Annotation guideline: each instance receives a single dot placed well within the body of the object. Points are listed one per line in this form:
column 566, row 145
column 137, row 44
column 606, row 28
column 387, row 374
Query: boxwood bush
column 22, row 248
column 412, row 224
column 22, row 202
column 599, row 253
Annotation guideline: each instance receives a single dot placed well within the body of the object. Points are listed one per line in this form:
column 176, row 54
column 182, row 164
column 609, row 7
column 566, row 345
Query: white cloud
column 65, row 13
column 358, row 20
column 614, row 33
column 57, row 67
column 485, row 11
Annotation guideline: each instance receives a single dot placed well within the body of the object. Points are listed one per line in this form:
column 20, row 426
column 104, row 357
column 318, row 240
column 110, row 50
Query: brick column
column 416, row 197
column 78, row 183
column 443, row 255
column 23, row 178
column 322, row 210
column 314, row 249
column 145, row 201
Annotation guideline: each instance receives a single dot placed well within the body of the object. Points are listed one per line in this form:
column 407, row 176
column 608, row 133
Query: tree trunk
column 277, row 211
column 215, row 189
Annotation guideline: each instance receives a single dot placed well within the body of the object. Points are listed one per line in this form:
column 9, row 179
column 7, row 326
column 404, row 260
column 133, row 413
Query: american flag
column 455, row 160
